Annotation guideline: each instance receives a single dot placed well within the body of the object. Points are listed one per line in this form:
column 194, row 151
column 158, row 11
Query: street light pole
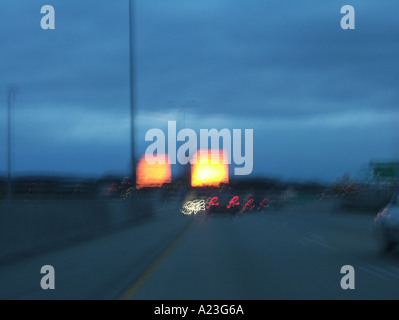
column 12, row 91
column 132, row 84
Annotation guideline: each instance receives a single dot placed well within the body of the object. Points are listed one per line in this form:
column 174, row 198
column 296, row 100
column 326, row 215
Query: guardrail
column 27, row 227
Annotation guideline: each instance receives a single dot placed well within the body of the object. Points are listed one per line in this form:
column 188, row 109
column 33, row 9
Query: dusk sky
column 322, row 101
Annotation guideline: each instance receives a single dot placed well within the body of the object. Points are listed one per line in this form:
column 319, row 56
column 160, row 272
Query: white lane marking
column 394, row 274
column 317, row 239
column 372, row 272
column 396, row 270
column 302, row 243
column 389, row 273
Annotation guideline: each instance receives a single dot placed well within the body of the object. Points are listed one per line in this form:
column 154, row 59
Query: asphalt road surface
column 293, row 253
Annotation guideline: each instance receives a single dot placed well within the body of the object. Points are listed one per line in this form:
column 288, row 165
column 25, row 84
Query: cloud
column 268, row 58
column 284, row 68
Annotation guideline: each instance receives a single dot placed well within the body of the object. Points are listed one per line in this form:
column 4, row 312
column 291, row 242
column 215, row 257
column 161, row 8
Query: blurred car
column 386, row 225
column 223, row 204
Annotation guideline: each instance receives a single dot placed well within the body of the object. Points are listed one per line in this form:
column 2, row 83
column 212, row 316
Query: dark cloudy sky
column 322, row 101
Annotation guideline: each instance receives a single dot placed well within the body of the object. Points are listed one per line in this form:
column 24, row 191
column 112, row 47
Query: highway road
column 293, row 253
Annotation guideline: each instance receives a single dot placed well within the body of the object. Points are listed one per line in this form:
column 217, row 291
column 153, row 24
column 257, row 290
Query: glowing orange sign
column 153, row 175
column 210, row 170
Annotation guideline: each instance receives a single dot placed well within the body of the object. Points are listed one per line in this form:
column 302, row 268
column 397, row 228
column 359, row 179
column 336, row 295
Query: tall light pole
column 132, row 85
column 12, row 92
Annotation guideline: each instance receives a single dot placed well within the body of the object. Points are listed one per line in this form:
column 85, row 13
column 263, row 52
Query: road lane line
column 319, row 241
column 384, row 271
column 133, row 289
column 395, row 270
column 302, row 243
column 378, row 275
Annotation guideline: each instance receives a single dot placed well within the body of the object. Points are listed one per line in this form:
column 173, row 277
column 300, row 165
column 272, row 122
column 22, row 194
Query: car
column 223, row 204
column 386, row 225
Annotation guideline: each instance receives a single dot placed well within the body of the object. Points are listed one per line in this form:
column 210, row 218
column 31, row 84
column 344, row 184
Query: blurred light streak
column 212, row 202
column 264, row 203
column 112, row 189
column 248, row 205
column 233, row 202
column 193, row 207
column 382, row 214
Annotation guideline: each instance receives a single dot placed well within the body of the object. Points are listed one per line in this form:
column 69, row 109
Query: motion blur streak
column 153, row 175
column 382, row 213
column 193, row 207
column 209, row 170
